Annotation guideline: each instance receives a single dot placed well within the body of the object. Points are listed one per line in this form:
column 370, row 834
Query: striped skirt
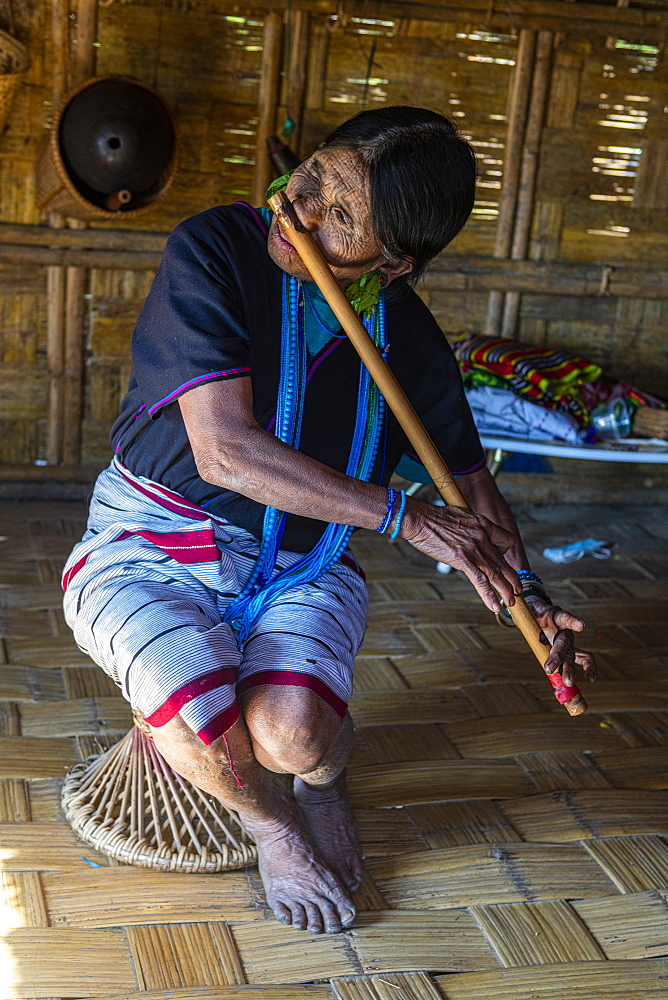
column 146, row 591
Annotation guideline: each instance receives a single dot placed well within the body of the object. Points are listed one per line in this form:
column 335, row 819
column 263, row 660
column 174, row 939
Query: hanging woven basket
column 130, row 805
column 14, row 61
column 112, row 151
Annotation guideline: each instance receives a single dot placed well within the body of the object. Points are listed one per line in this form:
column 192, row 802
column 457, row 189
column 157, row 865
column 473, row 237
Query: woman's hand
column 468, row 542
column 558, row 627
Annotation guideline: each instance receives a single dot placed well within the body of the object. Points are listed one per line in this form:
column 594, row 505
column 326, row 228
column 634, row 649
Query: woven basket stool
column 130, row 804
column 14, row 61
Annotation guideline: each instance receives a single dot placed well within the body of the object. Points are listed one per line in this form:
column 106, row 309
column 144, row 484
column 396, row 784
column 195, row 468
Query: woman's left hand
column 558, row 626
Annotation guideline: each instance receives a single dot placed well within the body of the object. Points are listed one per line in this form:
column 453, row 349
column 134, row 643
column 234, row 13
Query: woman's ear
column 394, row 268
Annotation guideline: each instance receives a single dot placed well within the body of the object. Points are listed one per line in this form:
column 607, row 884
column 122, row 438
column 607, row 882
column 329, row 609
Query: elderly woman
column 213, row 583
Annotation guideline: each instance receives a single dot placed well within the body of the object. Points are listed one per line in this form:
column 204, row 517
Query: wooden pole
column 267, row 102
column 316, row 76
column 83, row 67
column 517, row 112
column 411, row 424
column 73, row 368
column 295, row 83
column 527, row 185
column 85, row 58
column 55, row 318
column 55, row 355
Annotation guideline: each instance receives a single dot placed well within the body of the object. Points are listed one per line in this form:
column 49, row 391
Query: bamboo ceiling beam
column 632, row 23
column 101, row 239
column 467, row 274
column 478, row 274
column 59, row 256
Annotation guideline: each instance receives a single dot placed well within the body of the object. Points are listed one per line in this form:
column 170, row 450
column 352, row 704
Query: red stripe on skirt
column 185, row 546
column 218, row 727
column 176, row 701
column 72, row 572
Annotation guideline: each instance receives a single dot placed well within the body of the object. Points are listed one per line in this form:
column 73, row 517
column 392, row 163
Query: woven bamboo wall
column 596, row 211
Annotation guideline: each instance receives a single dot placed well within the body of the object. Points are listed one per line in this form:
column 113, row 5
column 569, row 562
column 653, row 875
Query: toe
column 330, row 916
column 346, row 910
column 282, row 913
column 315, row 921
column 299, row 918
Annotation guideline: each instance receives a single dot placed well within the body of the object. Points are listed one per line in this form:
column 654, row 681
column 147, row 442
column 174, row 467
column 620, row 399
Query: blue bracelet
column 527, row 576
column 389, row 511
column 400, row 515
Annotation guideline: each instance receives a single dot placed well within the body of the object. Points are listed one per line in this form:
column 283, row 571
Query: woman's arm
column 232, row 451
column 484, row 497
column 482, row 494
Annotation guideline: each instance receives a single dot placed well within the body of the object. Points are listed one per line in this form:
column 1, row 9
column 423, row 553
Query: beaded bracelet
column 400, row 515
column 390, row 511
column 527, row 576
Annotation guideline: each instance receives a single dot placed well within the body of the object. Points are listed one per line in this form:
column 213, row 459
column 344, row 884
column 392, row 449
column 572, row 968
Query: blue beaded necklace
column 263, row 587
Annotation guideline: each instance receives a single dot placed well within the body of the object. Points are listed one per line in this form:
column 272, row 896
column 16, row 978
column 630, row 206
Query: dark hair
column 422, row 176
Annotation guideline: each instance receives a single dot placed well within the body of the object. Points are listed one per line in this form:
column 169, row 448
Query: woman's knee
column 290, row 726
column 191, row 758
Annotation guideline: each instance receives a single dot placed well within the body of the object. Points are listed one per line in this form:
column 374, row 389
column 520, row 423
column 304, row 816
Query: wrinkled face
column 331, row 195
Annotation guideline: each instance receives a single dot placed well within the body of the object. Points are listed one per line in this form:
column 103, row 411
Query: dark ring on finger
column 534, row 591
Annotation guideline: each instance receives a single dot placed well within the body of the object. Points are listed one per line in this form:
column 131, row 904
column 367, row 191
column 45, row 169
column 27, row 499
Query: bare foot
column 329, row 820
column 299, row 888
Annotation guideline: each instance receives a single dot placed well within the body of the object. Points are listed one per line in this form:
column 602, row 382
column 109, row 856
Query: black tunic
column 213, row 313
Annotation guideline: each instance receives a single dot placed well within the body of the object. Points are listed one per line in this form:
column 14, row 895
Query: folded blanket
column 550, row 378
column 498, row 411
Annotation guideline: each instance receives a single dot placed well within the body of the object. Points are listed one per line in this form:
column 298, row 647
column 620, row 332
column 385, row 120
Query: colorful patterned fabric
column 547, row 377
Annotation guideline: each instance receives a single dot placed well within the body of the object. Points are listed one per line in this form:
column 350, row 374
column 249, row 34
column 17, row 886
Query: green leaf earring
column 364, row 293
column 279, row 184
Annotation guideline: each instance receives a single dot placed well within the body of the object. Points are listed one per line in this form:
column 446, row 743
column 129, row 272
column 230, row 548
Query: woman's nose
column 307, row 213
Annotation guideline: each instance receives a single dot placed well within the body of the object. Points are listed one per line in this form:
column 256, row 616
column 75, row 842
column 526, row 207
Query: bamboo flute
column 569, row 697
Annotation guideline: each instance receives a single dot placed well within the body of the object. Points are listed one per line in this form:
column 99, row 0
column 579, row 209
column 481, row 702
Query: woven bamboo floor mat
column 512, row 852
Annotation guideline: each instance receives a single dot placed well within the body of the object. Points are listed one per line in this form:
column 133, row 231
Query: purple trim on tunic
column 196, row 381
column 474, row 468
column 255, row 215
column 456, row 475
column 138, row 415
